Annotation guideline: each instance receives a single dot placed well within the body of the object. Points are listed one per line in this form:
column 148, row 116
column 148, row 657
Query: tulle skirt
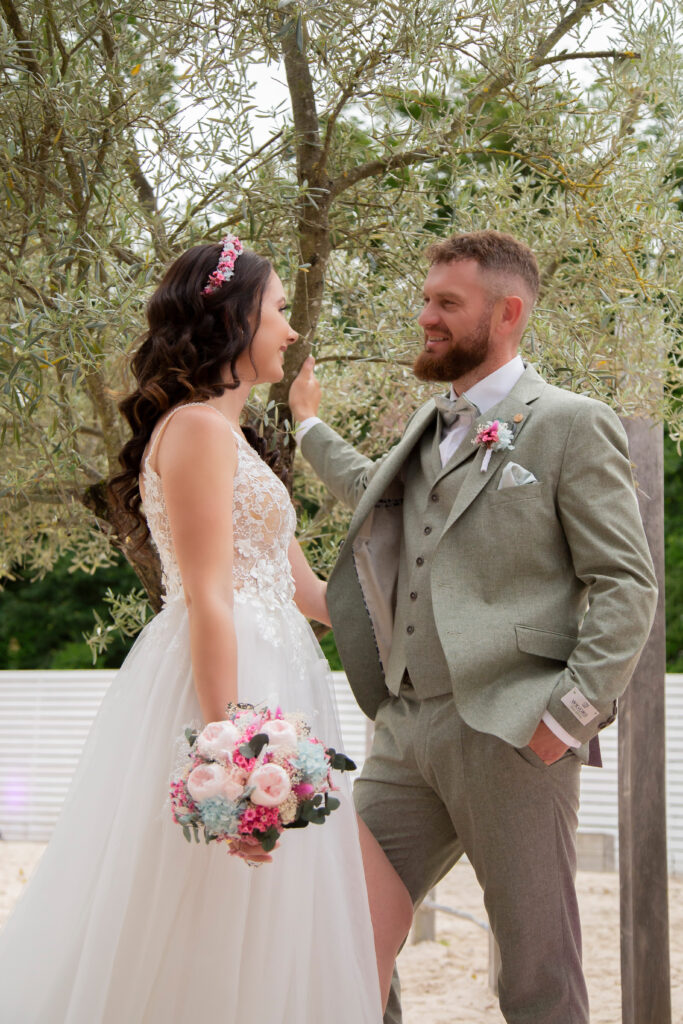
column 124, row 922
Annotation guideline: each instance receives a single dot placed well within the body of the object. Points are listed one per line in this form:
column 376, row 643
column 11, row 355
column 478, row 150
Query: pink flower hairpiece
column 232, row 247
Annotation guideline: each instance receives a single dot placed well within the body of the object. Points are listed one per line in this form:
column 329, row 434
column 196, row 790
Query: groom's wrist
column 557, row 729
column 302, row 429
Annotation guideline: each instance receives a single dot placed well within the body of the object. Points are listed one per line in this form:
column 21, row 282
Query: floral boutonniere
column 495, row 436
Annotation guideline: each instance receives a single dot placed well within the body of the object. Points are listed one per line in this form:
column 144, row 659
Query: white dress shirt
column 484, row 394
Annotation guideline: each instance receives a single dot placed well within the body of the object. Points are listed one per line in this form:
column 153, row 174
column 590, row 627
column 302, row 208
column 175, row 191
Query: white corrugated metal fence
column 45, row 718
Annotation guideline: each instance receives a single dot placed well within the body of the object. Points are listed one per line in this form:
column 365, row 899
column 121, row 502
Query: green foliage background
column 130, row 135
column 43, row 624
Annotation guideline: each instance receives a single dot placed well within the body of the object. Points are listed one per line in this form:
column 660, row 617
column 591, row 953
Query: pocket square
column 514, row 476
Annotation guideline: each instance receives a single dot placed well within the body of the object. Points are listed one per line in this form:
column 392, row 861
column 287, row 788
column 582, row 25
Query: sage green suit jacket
column 536, row 589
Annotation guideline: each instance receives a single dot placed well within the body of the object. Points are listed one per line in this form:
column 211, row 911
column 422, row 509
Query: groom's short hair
column 493, row 251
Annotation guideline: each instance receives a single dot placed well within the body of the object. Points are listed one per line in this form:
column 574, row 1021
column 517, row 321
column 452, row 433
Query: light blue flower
column 311, row 762
column 220, row 816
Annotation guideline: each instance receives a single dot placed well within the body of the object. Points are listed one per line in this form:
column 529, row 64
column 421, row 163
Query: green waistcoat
column 429, row 494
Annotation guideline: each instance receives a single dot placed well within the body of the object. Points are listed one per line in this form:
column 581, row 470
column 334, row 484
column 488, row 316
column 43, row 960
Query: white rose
column 271, row 785
column 207, row 781
column 218, row 740
column 280, row 733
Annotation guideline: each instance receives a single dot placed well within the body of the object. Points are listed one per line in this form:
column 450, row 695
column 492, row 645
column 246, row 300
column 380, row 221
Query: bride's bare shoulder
column 194, row 436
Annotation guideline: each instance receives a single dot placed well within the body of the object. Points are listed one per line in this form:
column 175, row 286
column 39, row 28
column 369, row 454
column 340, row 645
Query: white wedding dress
column 124, row 922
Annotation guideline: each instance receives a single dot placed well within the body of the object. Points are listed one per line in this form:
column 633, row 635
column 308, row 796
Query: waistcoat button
column 410, row 629
column 413, row 595
column 419, row 560
column 435, row 497
column 428, row 530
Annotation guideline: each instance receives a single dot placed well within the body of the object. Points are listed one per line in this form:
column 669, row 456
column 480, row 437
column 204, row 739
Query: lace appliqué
column 263, row 524
column 160, row 530
column 263, row 527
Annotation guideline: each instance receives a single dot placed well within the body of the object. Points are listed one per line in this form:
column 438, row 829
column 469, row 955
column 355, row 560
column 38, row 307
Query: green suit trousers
column 432, row 789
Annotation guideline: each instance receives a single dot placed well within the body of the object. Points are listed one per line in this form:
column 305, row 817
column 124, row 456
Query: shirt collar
column 493, row 389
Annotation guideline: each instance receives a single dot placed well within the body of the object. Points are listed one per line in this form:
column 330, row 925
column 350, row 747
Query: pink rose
column 218, row 740
column 280, row 733
column 271, row 785
column 206, row 781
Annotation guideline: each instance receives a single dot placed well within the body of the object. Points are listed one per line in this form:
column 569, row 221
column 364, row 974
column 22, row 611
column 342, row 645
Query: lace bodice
column 263, row 523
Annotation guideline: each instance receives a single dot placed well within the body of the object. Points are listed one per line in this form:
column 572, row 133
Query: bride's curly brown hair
column 191, row 339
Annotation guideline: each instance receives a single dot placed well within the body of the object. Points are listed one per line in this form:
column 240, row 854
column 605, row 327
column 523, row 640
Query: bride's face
column 271, row 340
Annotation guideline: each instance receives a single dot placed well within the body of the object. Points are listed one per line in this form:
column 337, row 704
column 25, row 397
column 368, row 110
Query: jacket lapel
column 525, row 391
column 515, row 411
column 392, row 465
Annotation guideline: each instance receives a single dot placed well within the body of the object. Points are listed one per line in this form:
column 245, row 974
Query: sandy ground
column 446, row 981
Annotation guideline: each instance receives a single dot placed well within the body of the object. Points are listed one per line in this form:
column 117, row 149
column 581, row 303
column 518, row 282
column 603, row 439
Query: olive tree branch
column 494, row 84
column 216, row 189
column 559, row 58
column 369, row 63
column 107, row 415
column 49, row 11
column 52, row 126
column 362, row 359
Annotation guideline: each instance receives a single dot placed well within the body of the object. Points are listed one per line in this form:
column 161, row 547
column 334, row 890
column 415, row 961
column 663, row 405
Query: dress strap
column 178, row 408
column 238, row 435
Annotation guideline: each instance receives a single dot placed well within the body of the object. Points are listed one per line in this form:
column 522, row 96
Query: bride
column 124, row 922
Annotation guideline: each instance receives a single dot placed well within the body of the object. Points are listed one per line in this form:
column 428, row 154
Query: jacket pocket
column 512, row 495
column 531, row 757
column 544, row 643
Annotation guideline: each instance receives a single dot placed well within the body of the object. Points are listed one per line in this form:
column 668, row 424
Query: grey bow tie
column 452, row 411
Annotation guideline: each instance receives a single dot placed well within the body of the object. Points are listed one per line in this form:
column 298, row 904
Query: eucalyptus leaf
column 255, row 745
column 340, row 761
column 268, row 839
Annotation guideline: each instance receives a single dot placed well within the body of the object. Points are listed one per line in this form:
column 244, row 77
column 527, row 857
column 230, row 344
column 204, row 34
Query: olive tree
column 132, row 130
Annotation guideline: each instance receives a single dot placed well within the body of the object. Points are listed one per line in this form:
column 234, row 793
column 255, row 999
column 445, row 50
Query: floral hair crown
column 232, row 247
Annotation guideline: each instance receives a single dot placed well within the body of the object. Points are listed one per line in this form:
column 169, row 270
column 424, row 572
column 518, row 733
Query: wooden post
column 645, row 977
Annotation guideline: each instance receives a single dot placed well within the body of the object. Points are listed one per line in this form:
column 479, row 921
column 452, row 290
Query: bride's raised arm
column 197, row 461
column 311, row 593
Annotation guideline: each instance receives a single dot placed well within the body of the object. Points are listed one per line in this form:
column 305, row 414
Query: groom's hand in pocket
column 304, row 393
column 547, row 745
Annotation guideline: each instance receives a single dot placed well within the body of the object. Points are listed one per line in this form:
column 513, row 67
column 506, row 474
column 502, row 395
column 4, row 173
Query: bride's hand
column 251, row 852
column 304, row 393
column 310, row 594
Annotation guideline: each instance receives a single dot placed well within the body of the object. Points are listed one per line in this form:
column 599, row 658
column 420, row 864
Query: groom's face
column 456, row 321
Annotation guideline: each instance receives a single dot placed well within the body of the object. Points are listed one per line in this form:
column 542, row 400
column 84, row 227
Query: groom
column 489, row 605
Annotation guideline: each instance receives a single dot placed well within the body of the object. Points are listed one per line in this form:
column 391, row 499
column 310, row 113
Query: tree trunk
column 313, row 223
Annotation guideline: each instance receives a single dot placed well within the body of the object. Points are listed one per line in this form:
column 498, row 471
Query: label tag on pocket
column 580, row 706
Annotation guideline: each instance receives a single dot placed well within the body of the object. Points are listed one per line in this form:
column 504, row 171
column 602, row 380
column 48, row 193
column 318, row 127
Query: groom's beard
column 464, row 355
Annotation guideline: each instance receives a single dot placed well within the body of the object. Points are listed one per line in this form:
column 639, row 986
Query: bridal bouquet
column 252, row 775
